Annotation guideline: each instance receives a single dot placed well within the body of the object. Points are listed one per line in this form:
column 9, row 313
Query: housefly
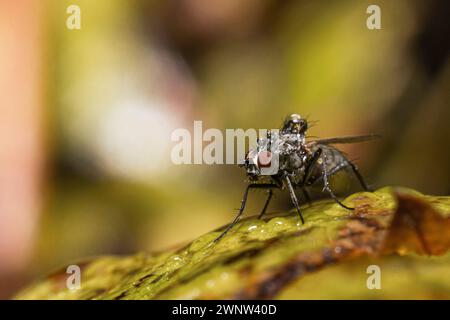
column 285, row 160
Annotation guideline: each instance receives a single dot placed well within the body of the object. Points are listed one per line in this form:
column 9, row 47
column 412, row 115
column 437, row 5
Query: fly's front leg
column 276, row 184
column 266, row 204
column 243, row 203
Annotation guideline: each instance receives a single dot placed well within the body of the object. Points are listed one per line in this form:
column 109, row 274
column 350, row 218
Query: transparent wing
column 342, row 140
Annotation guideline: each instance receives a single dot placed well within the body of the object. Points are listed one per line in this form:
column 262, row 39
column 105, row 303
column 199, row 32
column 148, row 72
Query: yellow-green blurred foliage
column 136, row 70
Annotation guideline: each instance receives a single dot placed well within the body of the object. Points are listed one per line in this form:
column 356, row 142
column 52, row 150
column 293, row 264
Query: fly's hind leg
column 358, row 175
column 326, row 183
column 347, row 163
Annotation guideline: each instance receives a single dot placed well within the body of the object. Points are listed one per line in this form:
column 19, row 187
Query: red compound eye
column 264, row 159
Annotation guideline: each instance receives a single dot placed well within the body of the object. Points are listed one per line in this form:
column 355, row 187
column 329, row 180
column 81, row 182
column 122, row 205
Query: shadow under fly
column 285, row 160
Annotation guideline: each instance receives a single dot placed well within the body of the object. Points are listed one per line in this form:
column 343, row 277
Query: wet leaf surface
column 277, row 256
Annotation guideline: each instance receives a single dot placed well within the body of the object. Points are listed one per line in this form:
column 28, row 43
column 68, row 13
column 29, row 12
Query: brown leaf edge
column 416, row 227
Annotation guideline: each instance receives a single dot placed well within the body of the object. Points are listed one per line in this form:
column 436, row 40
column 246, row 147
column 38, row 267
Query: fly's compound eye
column 264, row 159
column 251, row 158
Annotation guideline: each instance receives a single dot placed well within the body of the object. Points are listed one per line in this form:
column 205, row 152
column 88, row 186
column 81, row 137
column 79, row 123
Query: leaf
column 270, row 258
column 418, row 227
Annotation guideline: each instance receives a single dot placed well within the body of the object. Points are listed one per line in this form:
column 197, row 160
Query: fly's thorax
column 293, row 153
column 292, row 162
column 297, row 140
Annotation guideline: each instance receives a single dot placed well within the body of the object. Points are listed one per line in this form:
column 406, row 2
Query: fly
column 285, row 160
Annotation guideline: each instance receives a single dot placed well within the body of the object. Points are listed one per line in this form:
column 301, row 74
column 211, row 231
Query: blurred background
column 86, row 115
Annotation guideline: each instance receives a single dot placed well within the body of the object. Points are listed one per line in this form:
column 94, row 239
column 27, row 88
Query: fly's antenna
column 312, row 123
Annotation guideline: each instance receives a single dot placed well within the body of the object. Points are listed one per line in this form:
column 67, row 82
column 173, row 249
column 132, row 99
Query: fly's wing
column 343, row 140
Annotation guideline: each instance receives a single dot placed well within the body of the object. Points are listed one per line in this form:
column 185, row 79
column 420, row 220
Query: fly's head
column 251, row 165
column 263, row 160
column 294, row 124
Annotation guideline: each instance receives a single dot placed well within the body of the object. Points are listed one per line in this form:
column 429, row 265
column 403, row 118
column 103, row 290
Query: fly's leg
column 308, row 170
column 336, row 169
column 343, row 165
column 358, row 175
column 243, row 202
column 310, row 165
column 326, row 183
column 277, row 184
column 266, row 204
column 355, row 170
column 293, row 197
column 306, row 195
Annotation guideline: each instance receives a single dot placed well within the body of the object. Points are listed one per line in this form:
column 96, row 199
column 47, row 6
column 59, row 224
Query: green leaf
column 278, row 257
